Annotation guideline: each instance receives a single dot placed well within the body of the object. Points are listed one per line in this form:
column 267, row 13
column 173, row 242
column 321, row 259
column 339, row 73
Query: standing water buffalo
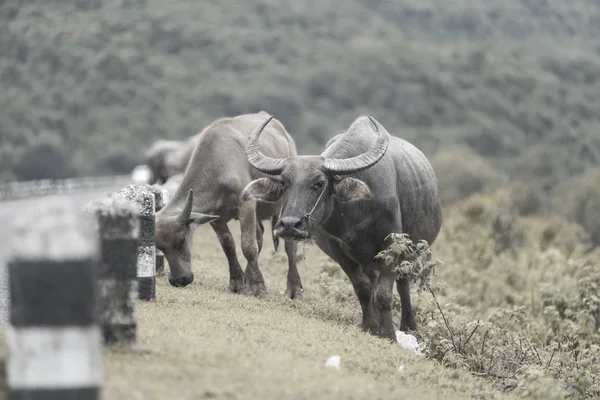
column 364, row 186
column 210, row 192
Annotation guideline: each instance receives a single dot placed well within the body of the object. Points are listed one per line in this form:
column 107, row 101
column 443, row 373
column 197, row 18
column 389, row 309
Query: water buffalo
column 168, row 158
column 364, row 186
column 210, row 192
column 155, row 158
column 177, row 160
column 170, row 187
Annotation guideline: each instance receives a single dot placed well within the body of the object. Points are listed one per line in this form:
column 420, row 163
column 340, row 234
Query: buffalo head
column 309, row 185
column 174, row 236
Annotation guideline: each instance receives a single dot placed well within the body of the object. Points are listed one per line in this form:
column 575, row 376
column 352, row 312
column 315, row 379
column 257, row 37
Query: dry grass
column 203, row 342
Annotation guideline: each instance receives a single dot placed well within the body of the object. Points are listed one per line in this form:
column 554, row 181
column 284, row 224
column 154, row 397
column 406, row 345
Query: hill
column 87, row 85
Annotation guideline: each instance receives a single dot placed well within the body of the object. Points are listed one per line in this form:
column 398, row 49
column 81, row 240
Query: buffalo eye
column 318, row 185
column 279, row 183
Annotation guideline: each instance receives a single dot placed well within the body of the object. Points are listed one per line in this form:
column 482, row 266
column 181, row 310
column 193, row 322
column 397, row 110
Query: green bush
column 579, row 200
column 569, row 237
column 46, row 159
column 528, row 197
column 461, row 173
column 545, row 347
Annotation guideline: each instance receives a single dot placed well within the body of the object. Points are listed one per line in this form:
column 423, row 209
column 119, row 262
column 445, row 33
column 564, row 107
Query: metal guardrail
column 45, row 187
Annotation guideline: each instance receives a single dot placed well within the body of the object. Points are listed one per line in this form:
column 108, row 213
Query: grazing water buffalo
column 364, row 186
column 167, row 158
column 156, row 157
column 170, row 187
column 210, row 192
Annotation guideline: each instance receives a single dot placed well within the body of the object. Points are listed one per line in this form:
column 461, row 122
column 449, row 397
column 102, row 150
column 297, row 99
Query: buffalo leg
column 260, row 230
column 274, row 219
column 408, row 320
column 373, row 275
column 236, row 273
column 363, row 289
column 384, row 299
column 294, row 284
column 248, row 224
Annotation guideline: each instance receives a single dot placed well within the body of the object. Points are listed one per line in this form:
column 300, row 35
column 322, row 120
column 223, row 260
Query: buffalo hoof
column 236, row 285
column 369, row 329
column 406, row 326
column 295, row 293
column 257, row 290
column 390, row 335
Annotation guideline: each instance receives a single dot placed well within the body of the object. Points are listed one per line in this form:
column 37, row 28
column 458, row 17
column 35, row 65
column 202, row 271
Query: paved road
column 8, row 209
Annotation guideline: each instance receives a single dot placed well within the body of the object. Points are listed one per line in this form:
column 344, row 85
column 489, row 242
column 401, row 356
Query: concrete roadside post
column 53, row 337
column 119, row 227
column 146, row 259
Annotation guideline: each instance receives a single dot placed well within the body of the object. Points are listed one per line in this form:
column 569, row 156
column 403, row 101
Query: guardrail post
column 119, row 227
column 146, row 261
column 54, row 341
column 42, row 187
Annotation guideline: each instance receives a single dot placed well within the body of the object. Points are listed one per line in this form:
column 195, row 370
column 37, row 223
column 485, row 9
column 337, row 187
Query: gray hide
column 210, row 192
column 155, row 158
column 364, row 186
column 177, row 160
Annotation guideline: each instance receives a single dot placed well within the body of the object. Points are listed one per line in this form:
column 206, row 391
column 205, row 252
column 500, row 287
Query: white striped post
column 119, row 228
column 158, row 196
column 146, row 259
column 158, row 204
column 160, row 262
column 54, row 340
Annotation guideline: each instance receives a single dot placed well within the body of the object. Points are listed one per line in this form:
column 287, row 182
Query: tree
column 44, row 159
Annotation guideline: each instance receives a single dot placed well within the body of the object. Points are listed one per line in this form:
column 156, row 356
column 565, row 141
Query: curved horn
column 345, row 166
column 187, row 209
column 266, row 164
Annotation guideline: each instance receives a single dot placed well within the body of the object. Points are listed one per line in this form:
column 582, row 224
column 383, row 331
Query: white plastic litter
column 333, row 362
column 409, row 342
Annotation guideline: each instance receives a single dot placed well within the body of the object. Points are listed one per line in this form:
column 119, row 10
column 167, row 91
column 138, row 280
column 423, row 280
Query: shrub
column 569, row 237
column 579, row 200
column 527, row 198
column 45, row 159
column 544, row 351
column 461, row 173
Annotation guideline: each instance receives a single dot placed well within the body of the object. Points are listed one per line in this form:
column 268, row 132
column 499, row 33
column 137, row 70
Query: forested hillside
column 87, row 85
column 503, row 96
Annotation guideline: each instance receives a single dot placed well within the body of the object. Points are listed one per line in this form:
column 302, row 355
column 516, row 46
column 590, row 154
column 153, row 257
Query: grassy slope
column 204, row 342
column 116, row 74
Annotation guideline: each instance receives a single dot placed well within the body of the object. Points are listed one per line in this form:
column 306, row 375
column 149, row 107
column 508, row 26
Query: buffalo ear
column 199, row 218
column 347, row 189
column 265, row 189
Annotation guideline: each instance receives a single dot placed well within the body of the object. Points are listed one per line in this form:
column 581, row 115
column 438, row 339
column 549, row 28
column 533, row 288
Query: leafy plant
column 550, row 354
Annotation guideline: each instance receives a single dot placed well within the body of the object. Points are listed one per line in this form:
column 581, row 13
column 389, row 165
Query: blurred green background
column 492, row 91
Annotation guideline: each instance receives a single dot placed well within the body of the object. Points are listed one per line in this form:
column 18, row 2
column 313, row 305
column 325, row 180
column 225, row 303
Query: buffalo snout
column 182, row 281
column 292, row 228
